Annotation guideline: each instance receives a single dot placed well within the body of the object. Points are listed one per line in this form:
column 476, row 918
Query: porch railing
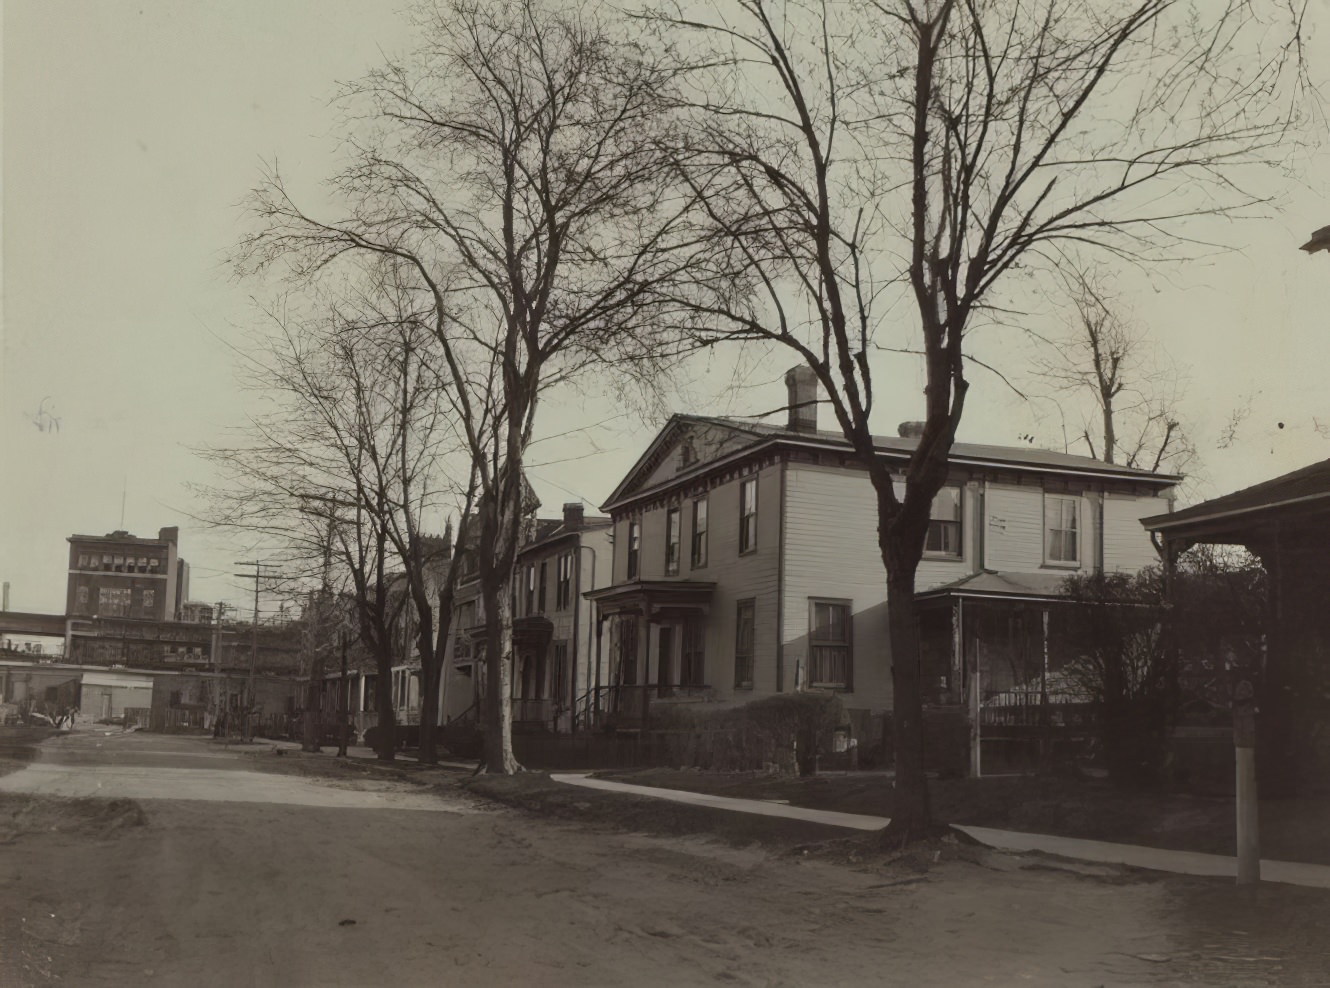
column 628, row 706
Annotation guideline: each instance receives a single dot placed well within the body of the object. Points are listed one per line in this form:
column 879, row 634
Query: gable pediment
column 683, row 448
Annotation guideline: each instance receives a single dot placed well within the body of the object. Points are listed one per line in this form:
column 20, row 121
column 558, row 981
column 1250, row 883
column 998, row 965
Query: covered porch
column 657, row 650
column 1000, row 689
column 1285, row 523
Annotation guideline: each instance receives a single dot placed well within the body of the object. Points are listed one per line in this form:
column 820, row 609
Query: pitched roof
column 892, row 447
column 1308, row 487
column 992, row 583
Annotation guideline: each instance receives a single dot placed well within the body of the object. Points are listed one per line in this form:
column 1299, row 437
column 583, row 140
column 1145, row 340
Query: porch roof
column 1001, row 586
column 1300, row 499
column 655, row 595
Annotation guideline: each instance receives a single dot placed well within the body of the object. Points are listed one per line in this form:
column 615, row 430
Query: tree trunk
column 429, row 686
column 313, row 727
column 383, row 703
column 499, row 757
column 911, row 815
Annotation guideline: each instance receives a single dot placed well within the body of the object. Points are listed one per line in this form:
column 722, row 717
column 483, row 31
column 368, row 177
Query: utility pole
column 258, row 575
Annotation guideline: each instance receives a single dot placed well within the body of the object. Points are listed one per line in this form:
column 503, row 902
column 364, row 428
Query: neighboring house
column 1285, row 522
column 746, row 561
column 556, row 645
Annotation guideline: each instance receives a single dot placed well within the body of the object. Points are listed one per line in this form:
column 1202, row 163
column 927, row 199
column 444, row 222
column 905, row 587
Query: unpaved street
column 243, row 878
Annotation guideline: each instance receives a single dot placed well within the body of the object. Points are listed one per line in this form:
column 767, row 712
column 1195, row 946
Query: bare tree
column 340, row 469
column 1108, row 360
column 511, row 168
column 852, row 155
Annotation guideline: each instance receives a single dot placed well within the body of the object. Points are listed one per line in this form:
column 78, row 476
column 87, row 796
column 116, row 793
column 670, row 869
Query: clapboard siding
column 1014, row 528
column 1127, row 546
column 737, row 577
column 831, row 551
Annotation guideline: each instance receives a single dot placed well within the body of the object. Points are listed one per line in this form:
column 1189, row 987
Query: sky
column 131, row 131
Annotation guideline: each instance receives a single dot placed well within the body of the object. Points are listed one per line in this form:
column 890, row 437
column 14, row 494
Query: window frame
column 745, row 651
column 673, row 539
column 697, row 549
column 563, row 582
column 634, row 548
column 693, row 653
column 819, row 641
column 748, row 514
column 1076, row 530
column 542, row 593
column 958, row 522
column 529, row 596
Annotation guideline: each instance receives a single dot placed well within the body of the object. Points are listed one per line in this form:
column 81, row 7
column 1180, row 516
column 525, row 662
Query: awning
column 654, row 598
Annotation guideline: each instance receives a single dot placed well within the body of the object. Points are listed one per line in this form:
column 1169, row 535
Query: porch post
column 973, row 686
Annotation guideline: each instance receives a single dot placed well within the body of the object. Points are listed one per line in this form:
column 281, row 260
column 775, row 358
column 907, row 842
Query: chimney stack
column 801, row 386
column 910, row 430
column 573, row 514
column 171, row 534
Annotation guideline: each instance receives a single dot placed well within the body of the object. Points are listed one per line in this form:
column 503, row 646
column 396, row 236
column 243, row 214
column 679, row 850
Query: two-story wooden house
column 746, row 562
column 557, row 647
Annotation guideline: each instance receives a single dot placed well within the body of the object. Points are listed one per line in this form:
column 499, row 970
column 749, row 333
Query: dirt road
column 241, row 878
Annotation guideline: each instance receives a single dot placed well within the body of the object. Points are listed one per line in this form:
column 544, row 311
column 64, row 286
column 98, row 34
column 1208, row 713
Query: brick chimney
column 573, row 514
column 801, row 387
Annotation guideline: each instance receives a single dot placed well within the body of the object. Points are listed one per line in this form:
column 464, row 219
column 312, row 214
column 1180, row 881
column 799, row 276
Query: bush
column 786, row 733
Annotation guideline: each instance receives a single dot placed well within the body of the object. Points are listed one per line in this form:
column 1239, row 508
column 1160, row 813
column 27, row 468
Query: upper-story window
column 82, row 599
column 673, row 541
column 83, row 560
column 540, row 601
column 748, row 515
column 699, row 553
column 149, row 601
column 944, row 523
column 153, row 563
column 530, row 590
column 114, row 601
column 634, row 547
column 1062, row 530
column 563, row 587
column 119, row 563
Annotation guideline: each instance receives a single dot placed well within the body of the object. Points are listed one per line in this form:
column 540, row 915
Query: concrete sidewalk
column 1155, row 859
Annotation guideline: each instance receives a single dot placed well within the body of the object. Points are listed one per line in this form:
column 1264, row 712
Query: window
column 143, row 564
column 830, row 663
column 530, row 590
column 563, row 588
column 944, row 523
column 540, row 601
column 107, row 561
column 153, row 564
column 699, row 533
column 1062, row 529
column 673, row 538
column 748, row 515
column 692, row 653
column 149, row 599
column 82, row 599
column 114, row 602
column 634, row 547
column 83, row 560
column 744, row 614
column 687, row 454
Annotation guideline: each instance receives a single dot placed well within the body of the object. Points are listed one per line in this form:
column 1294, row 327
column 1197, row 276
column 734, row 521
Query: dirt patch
column 1291, row 830
column 22, row 815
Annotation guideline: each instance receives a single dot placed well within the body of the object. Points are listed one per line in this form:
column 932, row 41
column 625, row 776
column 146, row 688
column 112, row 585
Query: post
column 344, row 697
column 1248, row 805
column 974, row 694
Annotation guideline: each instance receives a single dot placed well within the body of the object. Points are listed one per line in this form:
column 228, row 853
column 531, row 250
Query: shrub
column 786, row 733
